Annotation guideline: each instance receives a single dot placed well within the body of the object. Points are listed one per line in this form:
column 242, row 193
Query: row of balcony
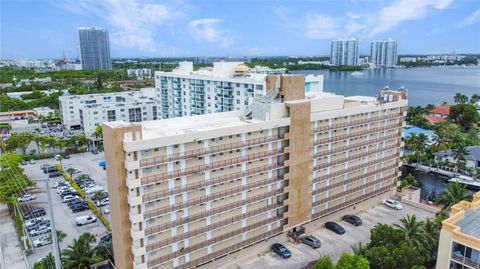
column 358, row 188
column 348, row 203
column 210, row 150
column 466, row 261
column 352, row 157
column 157, row 212
column 356, row 167
column 355, row 134
column 204, row 229
column 355, row 145
column 230, row 249
column 356, row 122
column 213, row 165
column 212, row 241
column 353, row 179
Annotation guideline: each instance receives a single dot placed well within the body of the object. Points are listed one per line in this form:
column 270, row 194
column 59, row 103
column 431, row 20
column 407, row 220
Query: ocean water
column 425, row 85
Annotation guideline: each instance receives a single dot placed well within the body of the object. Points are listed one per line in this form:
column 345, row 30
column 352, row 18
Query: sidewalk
column 11, row 255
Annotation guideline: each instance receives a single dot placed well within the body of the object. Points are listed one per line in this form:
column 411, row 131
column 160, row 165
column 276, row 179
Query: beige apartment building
column 186, row 191
column 459, row 245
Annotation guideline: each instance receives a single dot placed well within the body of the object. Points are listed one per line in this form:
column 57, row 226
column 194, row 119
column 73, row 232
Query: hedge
column 90, row 203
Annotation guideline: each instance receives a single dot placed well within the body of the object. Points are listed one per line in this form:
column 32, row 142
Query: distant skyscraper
column 344, row 52
column 94, row 48
column 384, row 52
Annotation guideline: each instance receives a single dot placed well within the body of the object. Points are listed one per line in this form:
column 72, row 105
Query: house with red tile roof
column 438, row 114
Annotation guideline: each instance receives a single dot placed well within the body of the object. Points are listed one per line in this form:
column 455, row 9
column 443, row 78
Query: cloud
column 379, row 20
column 473, row 18
column 132, row 23
column 208, row 30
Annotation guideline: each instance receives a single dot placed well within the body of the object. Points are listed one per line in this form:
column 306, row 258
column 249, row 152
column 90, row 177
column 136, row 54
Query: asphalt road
column 64, row 217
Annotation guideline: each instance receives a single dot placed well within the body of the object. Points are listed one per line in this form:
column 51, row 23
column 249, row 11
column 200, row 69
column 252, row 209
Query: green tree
column 47, row 262
column 70, row 171
column 351, row 261
column 12, row 179
column 20, row 141
column 80, row 255
column 360, row 249
column 453, row 194
column 460, row 98
column 324, row 262
column 412, row 230
column 475, row 98
column 465, row 115
column 460, row 156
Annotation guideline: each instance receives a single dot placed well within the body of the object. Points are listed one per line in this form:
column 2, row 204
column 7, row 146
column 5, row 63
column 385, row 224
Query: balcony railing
column 356, row 122
column 211, row 166
column 348, row 203
column 466, row 261
column 353, row 179
column 230, row 249
column 358, row 188
column 355, row 134
column 356, row 145
column 356, row 167
column 256, row 198
column 212, row 241
column 213, row 149
column 206, row 228
column 353, row 157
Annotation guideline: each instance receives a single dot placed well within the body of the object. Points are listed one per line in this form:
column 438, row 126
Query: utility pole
column 55, row 251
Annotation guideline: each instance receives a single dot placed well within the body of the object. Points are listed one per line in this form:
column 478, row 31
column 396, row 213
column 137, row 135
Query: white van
column 93, row 189
column 83, row 220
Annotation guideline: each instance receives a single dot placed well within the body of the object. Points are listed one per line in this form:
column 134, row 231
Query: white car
column 83, row 220
column 68, row 198
column 40, row 230
column 106, row 210
column 42, row 241
column 103, row 202
column 393, row 204
column 27, row 197
column 62, row 189
column 34, row 221
column 93, row 189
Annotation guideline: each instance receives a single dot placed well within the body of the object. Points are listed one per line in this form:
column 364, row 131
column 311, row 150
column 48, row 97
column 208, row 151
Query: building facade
column 186, row 191
column 228, row 86
column 94, row 107
column 94, row 48
column 384, row 53
column 459, row 245
column 344, row 52
column 140, row 73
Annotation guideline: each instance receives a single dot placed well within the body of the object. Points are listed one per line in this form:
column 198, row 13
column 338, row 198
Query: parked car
column 24, row 163
column 311, row 241
column 79, row 208
column 54, row 174
column 77, row 170
column 106, row 210
column 39, row 230
column 393, row 204
column 32, row 161
column 34, row 221
column 335, row 227
column 83, row 220
column 35, row 213
column 281, row 250
column 106, row 238
column 68, row 198
column 77, row 204
column 42, row 241
column 94, row 151
column 27, row 197
column 66, row 156
column 93, row 189
column 40, row 223
column 352, row 219
column 102, row 202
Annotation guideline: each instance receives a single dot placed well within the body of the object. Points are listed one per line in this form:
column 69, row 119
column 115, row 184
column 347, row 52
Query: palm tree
column 70, row 171
column 461, row 153
column 38, row 139
column 83, row 178
column 453, row 194
column 80, row 255
column 412, row 230
column 360, row 249
column 431, row 228
column 47, row 262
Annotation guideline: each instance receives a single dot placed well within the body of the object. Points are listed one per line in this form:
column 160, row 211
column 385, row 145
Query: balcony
column 133, row 183
column 132, row 165
column 134, row 200
column 138, row 251
column 135, row 218
column 137, row 235
column 140, row 266
column 458, row 257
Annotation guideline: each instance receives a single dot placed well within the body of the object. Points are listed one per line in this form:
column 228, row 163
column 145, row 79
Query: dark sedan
column 352, row 219
column 335, row 227
column 281, row 250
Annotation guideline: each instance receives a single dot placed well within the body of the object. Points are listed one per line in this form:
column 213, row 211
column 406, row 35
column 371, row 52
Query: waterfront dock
column 468, row 181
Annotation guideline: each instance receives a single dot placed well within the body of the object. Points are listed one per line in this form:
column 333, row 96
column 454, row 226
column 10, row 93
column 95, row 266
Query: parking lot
column 331, row 243
column 64, row 217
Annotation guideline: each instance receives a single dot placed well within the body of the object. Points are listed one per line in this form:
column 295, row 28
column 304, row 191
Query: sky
column 233, row 28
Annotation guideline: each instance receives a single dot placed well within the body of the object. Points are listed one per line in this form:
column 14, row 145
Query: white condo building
column 384, row 52
column 140, row 73
column 86, row 112
column 228, row 86
column 344, row 52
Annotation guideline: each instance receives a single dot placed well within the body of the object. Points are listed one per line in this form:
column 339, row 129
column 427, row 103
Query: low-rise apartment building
column 94, row 108
column 228, row 86
column 459, row 246
column 186, row 191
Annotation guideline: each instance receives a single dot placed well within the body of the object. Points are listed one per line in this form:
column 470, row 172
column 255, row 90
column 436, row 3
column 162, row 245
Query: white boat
column 357, row 73
column 467, row 181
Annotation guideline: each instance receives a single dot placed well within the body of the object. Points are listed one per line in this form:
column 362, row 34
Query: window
column 111, row 115
column 135, row 114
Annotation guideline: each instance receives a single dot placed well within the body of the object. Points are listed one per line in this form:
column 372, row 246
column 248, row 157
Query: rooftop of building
column 465, row 218
column 441, row 110
column 473, row 153
column 434, row 119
